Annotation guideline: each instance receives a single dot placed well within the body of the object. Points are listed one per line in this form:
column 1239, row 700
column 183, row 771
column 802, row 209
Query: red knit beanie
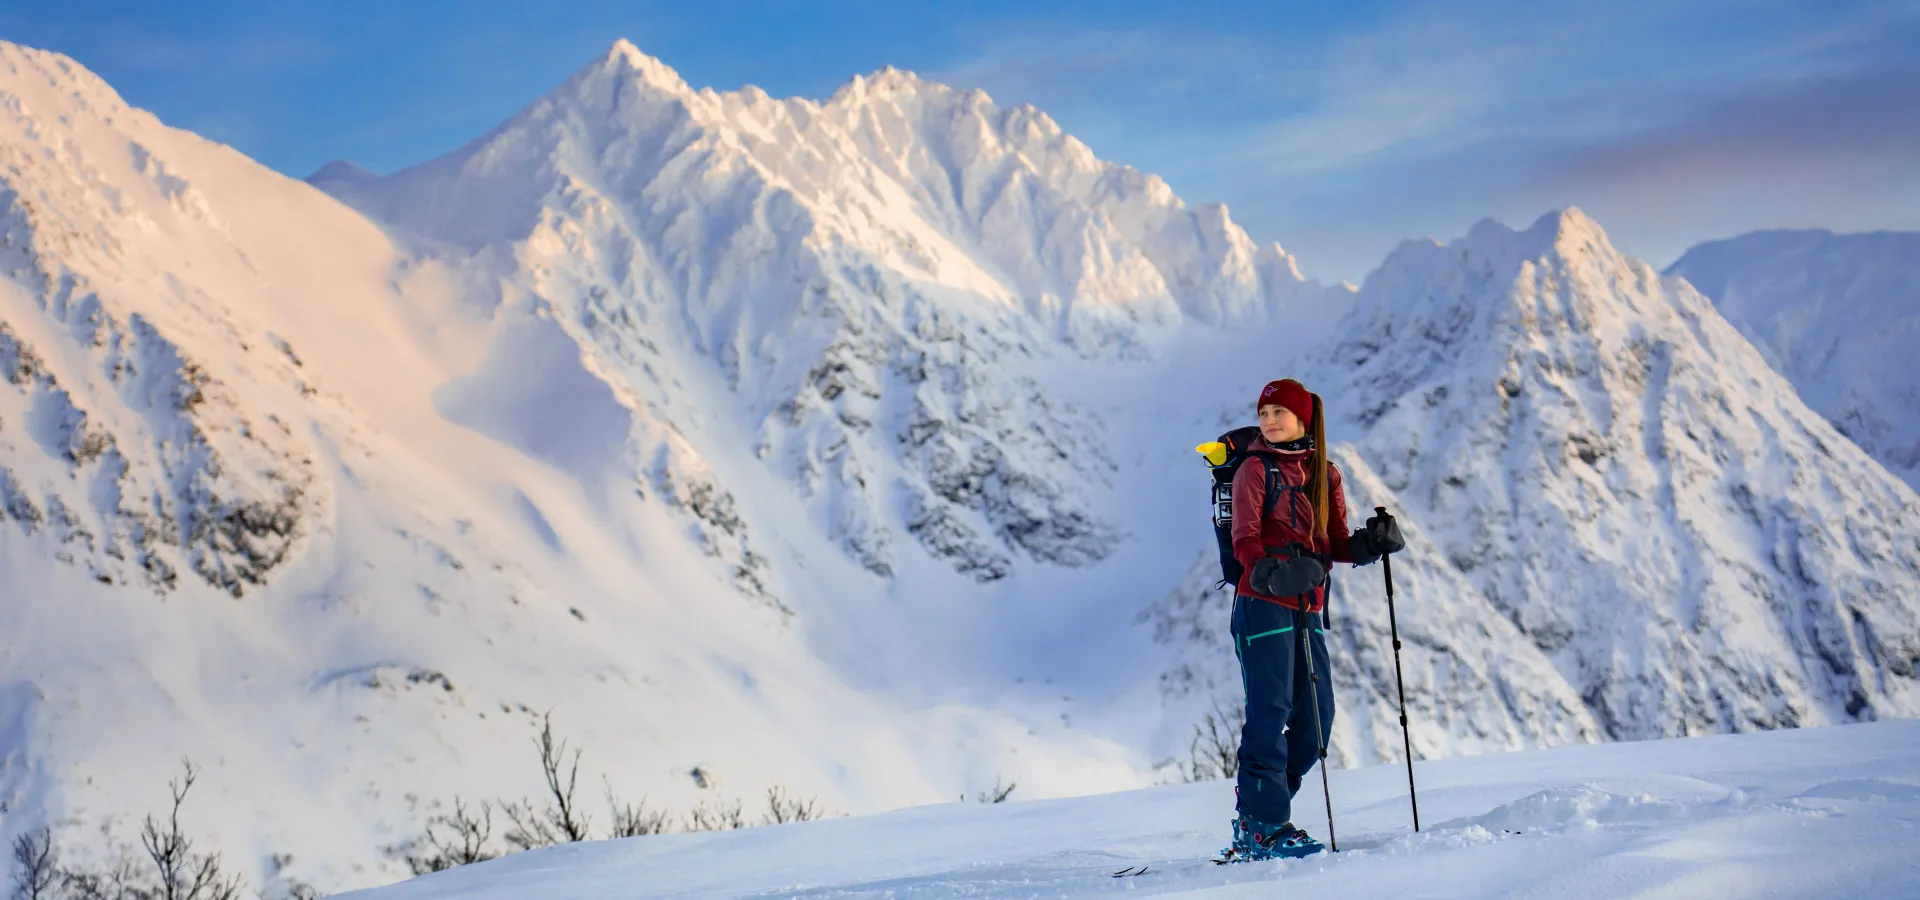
column 1290, row 394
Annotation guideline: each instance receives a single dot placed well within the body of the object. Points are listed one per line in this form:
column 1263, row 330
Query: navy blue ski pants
column 1278, row 745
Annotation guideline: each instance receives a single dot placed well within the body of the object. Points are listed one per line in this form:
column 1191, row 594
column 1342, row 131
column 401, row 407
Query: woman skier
column 1278, row 612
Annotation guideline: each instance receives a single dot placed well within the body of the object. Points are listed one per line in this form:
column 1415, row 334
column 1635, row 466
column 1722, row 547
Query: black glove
column 1287, row 576
column 1383, row 533
column 1361, row 548
column 1379, row 538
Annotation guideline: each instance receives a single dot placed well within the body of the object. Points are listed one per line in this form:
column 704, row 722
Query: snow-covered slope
column 1824, row 812
column 837, row 445
column 1838, row 315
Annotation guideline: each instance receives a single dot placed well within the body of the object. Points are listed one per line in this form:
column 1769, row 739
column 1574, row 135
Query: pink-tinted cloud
column 1793, row 129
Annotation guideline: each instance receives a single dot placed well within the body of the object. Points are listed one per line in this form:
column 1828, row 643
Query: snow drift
column 1814, row 813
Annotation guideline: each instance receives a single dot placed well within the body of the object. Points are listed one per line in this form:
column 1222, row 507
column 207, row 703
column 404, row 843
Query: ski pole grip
column 1382, row 511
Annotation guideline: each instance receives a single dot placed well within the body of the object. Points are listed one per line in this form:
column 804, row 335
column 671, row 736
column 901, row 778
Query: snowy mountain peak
column 624, row 60
column 340, row 168
column 892, row 83
column 340, row 173
column 1568, row 224
column 1574, row 234
column 1559, row 276
column 88, row 92
column 1566, row 233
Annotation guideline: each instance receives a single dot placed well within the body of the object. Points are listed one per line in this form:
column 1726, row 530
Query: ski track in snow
column 1818, row 812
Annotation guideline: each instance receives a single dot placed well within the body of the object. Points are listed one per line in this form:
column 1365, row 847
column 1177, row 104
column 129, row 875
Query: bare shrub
column 561, row 821
column 782, row 808
column 37, row 869
column 119, row 881
column 167, row 867
column 1214, row 752
column 720, row 815
column 462, row 837
column 453, row 839
column 636, row 820
column 181, row 873
column 1000, row 792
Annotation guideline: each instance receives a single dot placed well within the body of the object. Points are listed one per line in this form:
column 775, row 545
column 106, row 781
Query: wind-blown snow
column 1838, row 315
column 843, row 446
column 1821, row 812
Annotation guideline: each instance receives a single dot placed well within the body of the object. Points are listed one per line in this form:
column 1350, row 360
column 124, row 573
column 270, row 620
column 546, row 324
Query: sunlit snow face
column 1278, row 424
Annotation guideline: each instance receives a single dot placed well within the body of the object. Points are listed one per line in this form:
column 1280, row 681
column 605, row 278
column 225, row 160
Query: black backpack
column 1237, row 441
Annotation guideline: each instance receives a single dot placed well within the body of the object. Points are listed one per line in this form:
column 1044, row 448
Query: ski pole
column 1319, row 731
column 1413, row 797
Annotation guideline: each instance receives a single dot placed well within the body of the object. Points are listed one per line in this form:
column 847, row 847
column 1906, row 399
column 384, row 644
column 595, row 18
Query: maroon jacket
column 1290, row 521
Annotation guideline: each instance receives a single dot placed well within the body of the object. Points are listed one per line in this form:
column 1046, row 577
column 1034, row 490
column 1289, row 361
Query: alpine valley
column 843, row 447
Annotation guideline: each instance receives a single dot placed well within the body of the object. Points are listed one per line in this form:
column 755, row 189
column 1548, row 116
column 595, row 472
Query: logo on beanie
column 1290, row 394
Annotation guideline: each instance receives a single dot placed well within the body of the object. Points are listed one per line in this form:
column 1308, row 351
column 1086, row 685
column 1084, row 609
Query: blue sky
column 1336, row 129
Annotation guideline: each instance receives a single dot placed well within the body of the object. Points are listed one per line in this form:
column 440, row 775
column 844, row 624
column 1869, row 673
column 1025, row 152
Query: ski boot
column 1254, row 841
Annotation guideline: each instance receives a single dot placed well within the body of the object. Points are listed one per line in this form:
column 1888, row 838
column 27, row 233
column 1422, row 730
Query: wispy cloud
column 250, row 51
column 1839, row 151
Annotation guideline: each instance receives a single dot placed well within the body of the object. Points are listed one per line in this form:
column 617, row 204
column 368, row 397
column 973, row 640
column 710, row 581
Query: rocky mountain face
column 1837, row 315
column 119, row 449
column 858, row 428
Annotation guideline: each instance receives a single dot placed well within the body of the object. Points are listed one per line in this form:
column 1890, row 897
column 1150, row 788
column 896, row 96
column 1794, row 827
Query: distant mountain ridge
column 1837, row 314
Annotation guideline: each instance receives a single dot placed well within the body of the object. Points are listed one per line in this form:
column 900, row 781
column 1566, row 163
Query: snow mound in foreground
column 1805, row 813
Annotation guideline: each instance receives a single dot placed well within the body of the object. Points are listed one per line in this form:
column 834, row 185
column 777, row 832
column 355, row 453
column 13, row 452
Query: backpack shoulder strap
column 1273, row 480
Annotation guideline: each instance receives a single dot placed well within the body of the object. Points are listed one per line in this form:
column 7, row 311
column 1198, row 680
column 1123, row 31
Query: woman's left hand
column 1383, row 534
